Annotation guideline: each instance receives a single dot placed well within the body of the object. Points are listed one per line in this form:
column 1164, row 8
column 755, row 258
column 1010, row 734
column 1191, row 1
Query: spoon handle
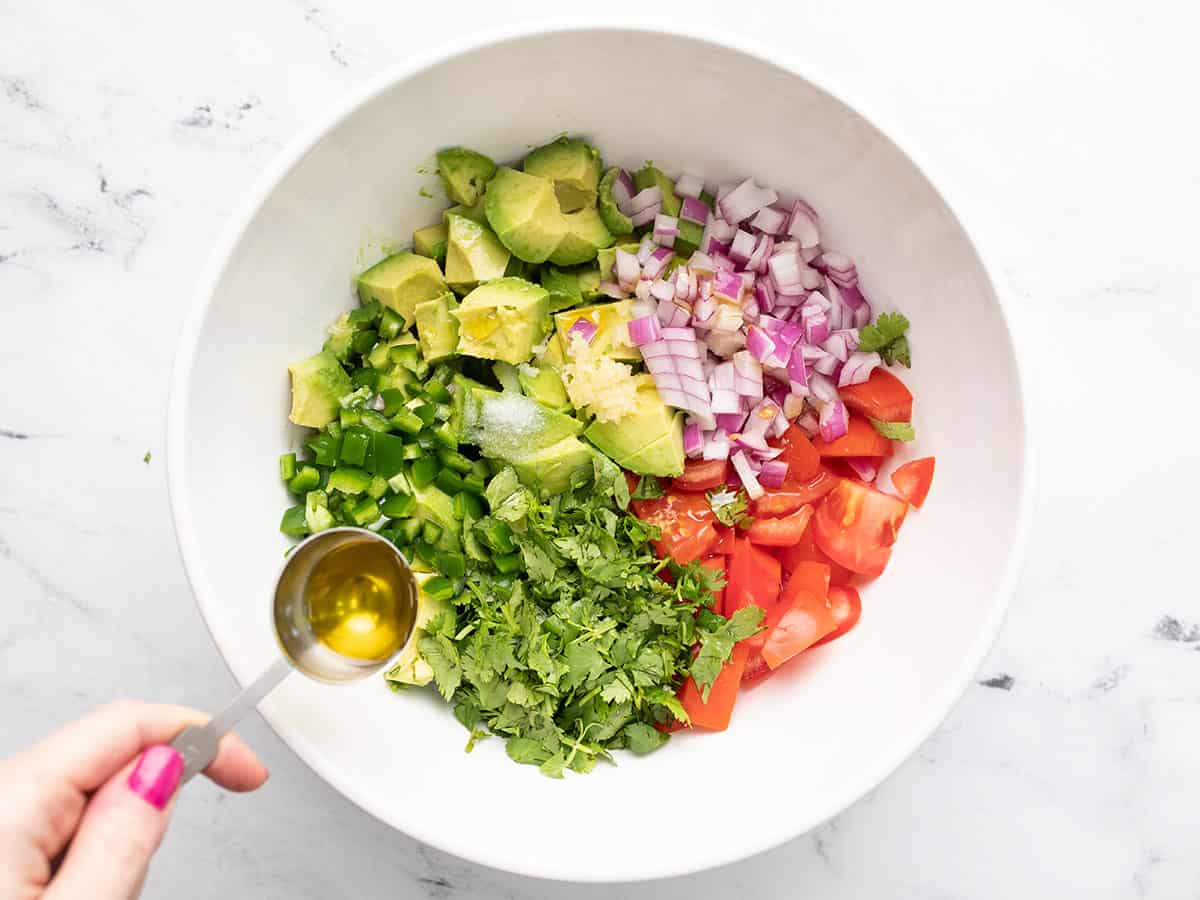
column 197, row 744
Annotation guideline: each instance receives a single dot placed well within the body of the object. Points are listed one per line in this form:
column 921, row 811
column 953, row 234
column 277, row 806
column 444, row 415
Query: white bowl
column 804, row 745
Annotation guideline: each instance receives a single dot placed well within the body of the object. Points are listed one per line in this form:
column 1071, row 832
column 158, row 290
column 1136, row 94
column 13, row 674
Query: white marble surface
column 128, row 130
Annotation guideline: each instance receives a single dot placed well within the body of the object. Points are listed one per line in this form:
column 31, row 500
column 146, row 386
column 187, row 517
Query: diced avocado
column 461, row 388
column 563, row 287
column 649, row 176
column 503, row 319
column 435, row 505
column 648, row 440
column 474, row 212
column 511, row 426
column 431, row 241
column 585, row 236
column 318, row 384
column 409, row 667
column 553, row 354
column 589, row 281
column 612, row 330
column 437, row 328
column 473, row 254
column 545, row 385
column 574, row 167
column 523, row 211
column 506, row 374
column 614, row 220
column 401, row 282
column 606, row 259
column 549, row 470
column 341, row 333
column 464, row 173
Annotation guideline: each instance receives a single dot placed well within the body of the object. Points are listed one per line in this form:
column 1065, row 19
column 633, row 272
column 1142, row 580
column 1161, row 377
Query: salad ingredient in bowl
column 630, row 431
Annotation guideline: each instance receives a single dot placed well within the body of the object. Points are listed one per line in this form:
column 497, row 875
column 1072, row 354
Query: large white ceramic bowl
column 820, row 734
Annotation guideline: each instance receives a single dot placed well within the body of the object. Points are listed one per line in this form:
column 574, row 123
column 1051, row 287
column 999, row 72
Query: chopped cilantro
column 895, row 431
column 730, row 507
column 887, row 338
column 649, row 488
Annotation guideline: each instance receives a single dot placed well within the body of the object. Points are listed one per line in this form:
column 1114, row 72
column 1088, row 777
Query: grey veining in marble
column 128, row 130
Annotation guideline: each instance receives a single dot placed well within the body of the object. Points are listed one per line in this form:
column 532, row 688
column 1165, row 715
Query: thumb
column 121, row 828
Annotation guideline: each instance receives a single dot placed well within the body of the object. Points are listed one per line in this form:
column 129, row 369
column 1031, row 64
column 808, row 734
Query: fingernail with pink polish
column 156, row 775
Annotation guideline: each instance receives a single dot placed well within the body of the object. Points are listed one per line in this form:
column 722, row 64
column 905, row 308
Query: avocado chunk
column 473, row 254
column 649, row 176
column 563, row 287
column 545, row 385
column 648, row 440
column 614, row 220
column 464, row 173
column 523, row 211
column 574, row 167
column 474, row 212
column 436, row 328
column 401, row 282
column 585, row 236
column 549, row 470
column 318, row 385
column 553, row 354
column 510, row 426
column 589, row 281
column 431, row 241
column 409, row 667
column 435, row 505
column 612, row 328
column 503, row 319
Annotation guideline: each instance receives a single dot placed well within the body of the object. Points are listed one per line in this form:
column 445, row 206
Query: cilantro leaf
column 886, row 337
column 442, row 656
column 716, row 646
column 526, row 750
column 730, row 507
column 895, row 431
column 643, row 738
column 649, row 488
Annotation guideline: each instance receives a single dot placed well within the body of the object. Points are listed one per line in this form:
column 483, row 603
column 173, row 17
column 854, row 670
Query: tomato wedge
column 701, row 475
column 860, row 439
column 724, row 544
column 882, row 396
column 846, row 608
column 687, row 523
column 913, row 479
column 714, row 714
column 756, row 668
column 792, row 496
column 856, row 526
column 802, row 618
column 801, row 456
column 784, row 532
column 753, row 577
column 807, row 549
column 718, row 565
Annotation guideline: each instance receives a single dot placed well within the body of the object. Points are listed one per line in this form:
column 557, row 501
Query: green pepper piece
column 378, row 487
column 391, row 323
column 507, row 564
column 364, row 341
column 430, row 531
column 424, row 551
column 467, row 505
column 364, row 512
column 393, row 401
column 474, row 483
column 437, row 391
column 426, row 412
column 365, row 314
column 452, row 459
column 452, row 565
column 294, row 521
column 388, row 454
column 375, row 421
column 413, row 451
column 287, row 466
column 423, row 471
column 354, row 446
column 305, row 480
column 444, row 435
column 408, row 421
column 496, row 534
column 399, row 506
column 439, row 587
column 349, row 480
column 409, row 530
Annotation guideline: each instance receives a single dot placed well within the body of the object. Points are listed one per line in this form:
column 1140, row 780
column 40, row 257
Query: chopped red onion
column 852, row 296
column 762, row 252
column 748, row 388
column 862, row 316
column 803, row 225
column 690, row 186
column 694, row 210
column 700, row 264
column 646, row 198
column 816, row 328
column 679, row 334
column 666, row 228
column 716, row 446
column 827, row 365
column 692, row 368
column 769, row 220
column 728, row 285
column 858, row 368
column 627, row 268
column 656, row 349
column 693, row 440
column 684, row 348
column 642, row 291
column 773, row 473
column 673, row 397
column 741, row 465
column 745, row 200
column 612, row 289
column 731, row 422
column 785, row 268
column 660, row 365
column 742, row 246
column 721, row 230
column 657, row 263
column 584, row 328
column 808, row 424
column 623, row 191
column 823, row 390
column 797, row 373
column 759, row 343
column 833, row 422
column 793, row 405
column 704, row 309
column 662, row 291
column 645, row 216
column 667, row 380
column 725, row 343
column 722, row 377
column 725, row 402
column 865, row 467
column 839, row 267
column 835, row 345
column 720, row 257
column 644, row 330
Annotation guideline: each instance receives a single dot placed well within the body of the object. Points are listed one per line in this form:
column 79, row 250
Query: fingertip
column 237, row 768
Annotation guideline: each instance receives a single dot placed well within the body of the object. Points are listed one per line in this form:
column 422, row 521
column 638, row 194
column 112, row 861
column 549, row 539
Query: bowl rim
column 938, row 707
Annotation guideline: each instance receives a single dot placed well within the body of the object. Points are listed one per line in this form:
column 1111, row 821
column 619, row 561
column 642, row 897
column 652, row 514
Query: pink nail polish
column 156, row 775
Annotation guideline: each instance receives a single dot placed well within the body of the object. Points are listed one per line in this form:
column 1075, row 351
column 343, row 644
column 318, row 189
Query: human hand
column 82, row 811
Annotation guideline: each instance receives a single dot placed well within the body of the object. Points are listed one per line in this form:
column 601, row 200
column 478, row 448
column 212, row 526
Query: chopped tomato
column 882, row 396
column 784, row 532
column 802, row 457
column 913, row 479
column 799, row 627
column 856, row 526
column 724, row 544
column 687, row 524
column 717, row 564
column 753, row 578
column 701, row 475
column 860, row 439
column 846, row 608
column 807, row 549
column 714, row 714
column 794, row 495
column 808, row 577
column 756, row 668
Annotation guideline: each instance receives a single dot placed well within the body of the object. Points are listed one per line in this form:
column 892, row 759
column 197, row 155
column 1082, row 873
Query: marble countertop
column 127, row 132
